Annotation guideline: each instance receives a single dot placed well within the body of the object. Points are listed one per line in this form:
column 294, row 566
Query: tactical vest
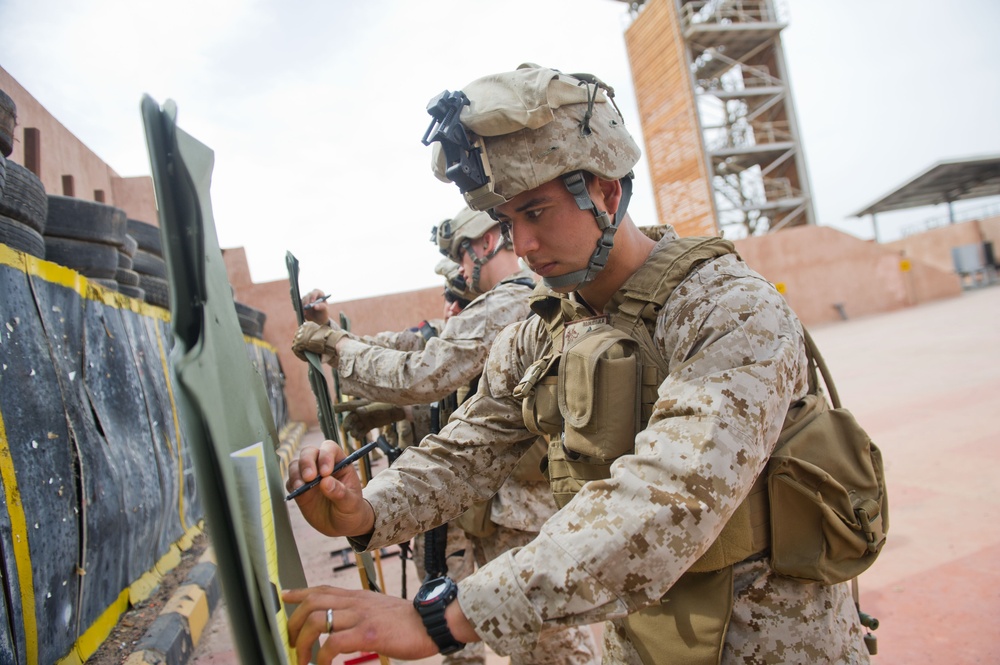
column 615, row 356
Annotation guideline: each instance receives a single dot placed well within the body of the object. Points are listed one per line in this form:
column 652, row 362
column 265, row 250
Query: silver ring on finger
column 329, row 621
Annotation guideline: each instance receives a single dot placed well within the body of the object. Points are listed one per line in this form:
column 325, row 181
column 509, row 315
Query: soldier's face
column 549, row 231
column 451, row 309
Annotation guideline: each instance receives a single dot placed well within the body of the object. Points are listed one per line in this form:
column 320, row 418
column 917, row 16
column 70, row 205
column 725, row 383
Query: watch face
column 435, row 592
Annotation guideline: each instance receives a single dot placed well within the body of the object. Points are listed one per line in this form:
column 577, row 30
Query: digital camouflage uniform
column 459, row 551
column 736, row 362
column 404, row 368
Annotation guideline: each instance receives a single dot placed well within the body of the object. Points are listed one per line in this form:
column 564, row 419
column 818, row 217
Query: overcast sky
column 315, row 108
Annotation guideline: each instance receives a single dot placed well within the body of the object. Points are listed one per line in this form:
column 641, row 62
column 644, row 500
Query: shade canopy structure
column 944, row 182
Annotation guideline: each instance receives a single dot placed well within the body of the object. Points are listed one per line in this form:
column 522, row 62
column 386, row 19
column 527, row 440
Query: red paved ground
column 925, row 383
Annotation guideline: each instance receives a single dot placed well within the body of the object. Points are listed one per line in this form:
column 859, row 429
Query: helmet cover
column 536, row 124
column 467, row 225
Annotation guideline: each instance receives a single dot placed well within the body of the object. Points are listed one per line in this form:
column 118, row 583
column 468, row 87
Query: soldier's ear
column 606, row 194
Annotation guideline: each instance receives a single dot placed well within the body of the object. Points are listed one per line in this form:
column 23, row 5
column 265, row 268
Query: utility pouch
column 568, row 472
column 826, row 484
column 598, row 390
column 537, row 390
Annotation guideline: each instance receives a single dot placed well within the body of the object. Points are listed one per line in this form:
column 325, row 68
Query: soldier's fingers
column 312, row 296
column 327, row 456
column 294, row 478
column 307, row 464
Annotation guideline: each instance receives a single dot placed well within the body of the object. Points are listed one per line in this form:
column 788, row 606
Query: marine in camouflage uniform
column 735, row 362
column 411, row 367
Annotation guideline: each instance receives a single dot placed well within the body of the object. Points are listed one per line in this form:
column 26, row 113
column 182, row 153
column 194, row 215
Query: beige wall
column 821, row 268
column 367, row 316
column 62, row 154
column 934, row 246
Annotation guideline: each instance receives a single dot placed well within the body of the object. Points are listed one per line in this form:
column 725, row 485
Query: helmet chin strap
column 577, row 186
column 478, row 262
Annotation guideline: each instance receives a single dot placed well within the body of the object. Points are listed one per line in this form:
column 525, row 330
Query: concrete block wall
column 60, row 154
column 826, row 274
column 934, row 246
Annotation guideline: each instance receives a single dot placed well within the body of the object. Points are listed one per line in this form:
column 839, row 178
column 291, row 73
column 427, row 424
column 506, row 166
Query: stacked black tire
column 127, row 278
column 8, row 119
column 251, row 320
column 23, row 210
column 148, row 263
column 23, row 205
column 88, row 237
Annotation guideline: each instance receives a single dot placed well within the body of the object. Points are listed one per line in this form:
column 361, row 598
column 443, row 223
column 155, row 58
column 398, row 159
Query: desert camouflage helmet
column 454, row 283
column 456, row 235
column 451, row 234
column 511, row 132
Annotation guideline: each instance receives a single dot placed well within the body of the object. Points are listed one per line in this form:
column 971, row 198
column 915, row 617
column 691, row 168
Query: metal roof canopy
column 945, row 182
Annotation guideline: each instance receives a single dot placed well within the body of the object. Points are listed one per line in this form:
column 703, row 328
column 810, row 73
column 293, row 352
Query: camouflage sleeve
column 403, row 340
column 466, row 462
column 735, row 357
column 445, row 362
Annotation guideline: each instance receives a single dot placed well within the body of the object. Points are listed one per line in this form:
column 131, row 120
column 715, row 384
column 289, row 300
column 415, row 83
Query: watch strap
column 432, row 615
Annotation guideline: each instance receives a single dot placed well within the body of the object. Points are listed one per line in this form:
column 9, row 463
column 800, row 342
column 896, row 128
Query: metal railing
column 740, row 77
column 749, row 134
column 727, row 12
column 983, row 212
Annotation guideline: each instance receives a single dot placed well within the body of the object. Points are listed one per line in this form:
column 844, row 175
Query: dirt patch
column 125, row 637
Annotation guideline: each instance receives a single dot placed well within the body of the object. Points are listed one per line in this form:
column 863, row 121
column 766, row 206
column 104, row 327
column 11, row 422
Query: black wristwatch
column 432, row 599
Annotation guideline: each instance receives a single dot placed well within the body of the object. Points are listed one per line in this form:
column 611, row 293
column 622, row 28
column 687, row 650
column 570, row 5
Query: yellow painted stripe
column 55, row 273
column 259, row 342
column 22, row 553
column 186, row 541
column 177, row 430
column 170, row 560
column 191, row 602
column 98, row 631
column 144, row 587
column 72, row 658
column 71, row 279
column 11, row 257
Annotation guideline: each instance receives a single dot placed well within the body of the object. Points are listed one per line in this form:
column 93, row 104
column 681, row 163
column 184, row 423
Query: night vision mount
column 464, row 158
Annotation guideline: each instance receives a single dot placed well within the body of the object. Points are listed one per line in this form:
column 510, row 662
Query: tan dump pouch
column 821, row 531
column 688, row 626
column 745, row 534
column 476, row 520
column 529, row 468
column 598, row 393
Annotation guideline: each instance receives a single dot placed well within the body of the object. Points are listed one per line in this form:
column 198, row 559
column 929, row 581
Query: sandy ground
column 925, row 383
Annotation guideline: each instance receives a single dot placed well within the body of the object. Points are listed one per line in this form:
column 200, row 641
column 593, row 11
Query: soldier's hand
column 366, row 418
column 335, row 507
column 361, row 621
column 314, row 307
column 321, row 340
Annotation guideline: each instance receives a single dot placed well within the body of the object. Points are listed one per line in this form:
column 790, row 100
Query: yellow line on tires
column 22, row 553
